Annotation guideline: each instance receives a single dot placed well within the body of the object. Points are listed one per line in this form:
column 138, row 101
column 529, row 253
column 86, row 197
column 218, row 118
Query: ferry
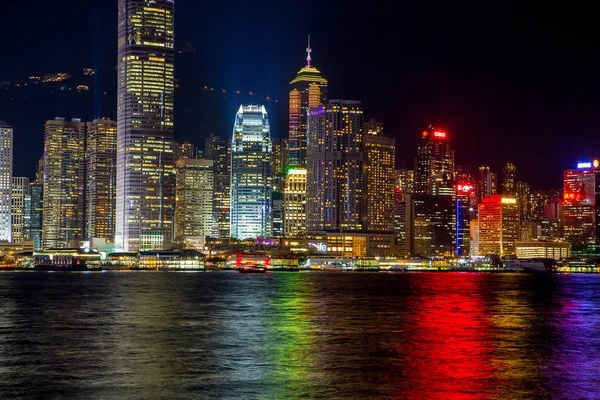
column 252, row 269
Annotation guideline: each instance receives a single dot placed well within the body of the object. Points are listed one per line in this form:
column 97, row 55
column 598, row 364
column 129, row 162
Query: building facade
column 434, row 164
column 580, row 209
column 21, row 200
column 509, row 182
column 307, row 90
column 251, row 184
column 430, row 225
column 194, row 206
column 101, row 179
column 499, row 225
column 145, row 112
column 64, row 183
column 218, row 150
column 36, row 214
column 294, row 203
column 6, row 156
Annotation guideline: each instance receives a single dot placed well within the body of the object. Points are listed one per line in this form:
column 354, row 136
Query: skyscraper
column 64, row 183
column 294, row 203
column 20, row 199
column 335, row 176
column 145, row 156
column 379, row 166
column 580, row 204
column 308, row 90
column 6, row 154
column 488, row 182
column 431, row 222
column 509, row 182
column 101, row 179
column 465, row 190
column 194, row 206
column 499, row 225
column 36, row 214
column 434, row 164
column 251, row 184
column 184, row 150
column 218, row 150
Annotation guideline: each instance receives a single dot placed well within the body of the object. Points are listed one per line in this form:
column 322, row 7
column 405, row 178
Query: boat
column 252, row 269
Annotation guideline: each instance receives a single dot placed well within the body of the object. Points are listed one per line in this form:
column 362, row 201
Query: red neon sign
column 439, row 134
column 464, row 188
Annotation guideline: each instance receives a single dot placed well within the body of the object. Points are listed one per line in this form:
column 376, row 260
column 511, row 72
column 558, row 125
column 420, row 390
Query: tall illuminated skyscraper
column 101, row 179
column 64, row 183
column 308, row 90
column 251, row 184
column 218, row 150
column 294, row 203
column 20, row 200
column 580, row 204
column 488, row 182
column 379, row 166
column 145, row 106
column 335, row 176
column 434, row 164
column 498, row 225
column 6, row 155
column 36, row 213
column 194, row 205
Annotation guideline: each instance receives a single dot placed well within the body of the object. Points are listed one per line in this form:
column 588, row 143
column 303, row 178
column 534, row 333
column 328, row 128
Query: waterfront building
column 543, row 249
column 194, row 205
column 101, row 179
column 145, row 112
column 335, row 176
column 431, row 225
column 64, row 183
column 465, row 191
column 580, row 204
column 294, row 202
column 499, row 225
column 36, row 211
column 434, row 164
column 308, row 90
column 251, row 186
column 6, row 158
column 21, row 200
column 379, row 163
column 218, row 150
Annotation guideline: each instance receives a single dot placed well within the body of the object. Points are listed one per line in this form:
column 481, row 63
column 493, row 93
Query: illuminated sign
column 596, row 163
column 507, row 200
column 584, row 165
column 464, row 188
column 438, row 134
column 321, row 247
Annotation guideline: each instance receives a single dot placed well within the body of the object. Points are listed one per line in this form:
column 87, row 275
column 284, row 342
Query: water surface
column 299, row 335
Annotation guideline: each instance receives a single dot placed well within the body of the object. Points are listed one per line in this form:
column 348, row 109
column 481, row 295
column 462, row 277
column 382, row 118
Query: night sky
column 507, row 82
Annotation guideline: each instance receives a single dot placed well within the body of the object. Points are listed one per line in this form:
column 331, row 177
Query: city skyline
column 489, row 98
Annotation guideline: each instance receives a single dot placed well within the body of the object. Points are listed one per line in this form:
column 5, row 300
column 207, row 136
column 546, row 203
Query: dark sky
column 508, row 82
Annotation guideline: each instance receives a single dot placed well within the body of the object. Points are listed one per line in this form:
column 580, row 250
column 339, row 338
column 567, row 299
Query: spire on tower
column 308, row 51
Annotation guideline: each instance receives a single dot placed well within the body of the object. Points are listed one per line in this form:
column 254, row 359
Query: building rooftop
column 4, row 124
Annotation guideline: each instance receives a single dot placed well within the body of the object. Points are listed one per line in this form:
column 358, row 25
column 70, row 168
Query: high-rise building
column 379, row 166
column 277, row 213
column 20, row 200
column 430, row 225
column 101, row 179
column 6, row 156
column 308, row 90
column 488, row 182
column 335, row 176
column 580, row 204
column 499, row 225
column 526, row 201
column 64, row 183
column 184, row 150
column 434, row 164
column 251, row 184
column 218, row 150
column 509, row 183
column 405, row 182
column 145, row 108
column 465, row 191
column 194, row 206
column 36, row 214
column 294, row 203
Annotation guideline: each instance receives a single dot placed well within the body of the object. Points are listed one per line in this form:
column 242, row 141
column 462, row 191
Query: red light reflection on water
column 449, row 355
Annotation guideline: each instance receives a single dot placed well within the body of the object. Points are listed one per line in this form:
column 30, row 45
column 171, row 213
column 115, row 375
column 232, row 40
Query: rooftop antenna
column 308, row 51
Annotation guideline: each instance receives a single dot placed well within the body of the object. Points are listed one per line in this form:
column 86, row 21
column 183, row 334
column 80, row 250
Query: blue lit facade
column 251, row 174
